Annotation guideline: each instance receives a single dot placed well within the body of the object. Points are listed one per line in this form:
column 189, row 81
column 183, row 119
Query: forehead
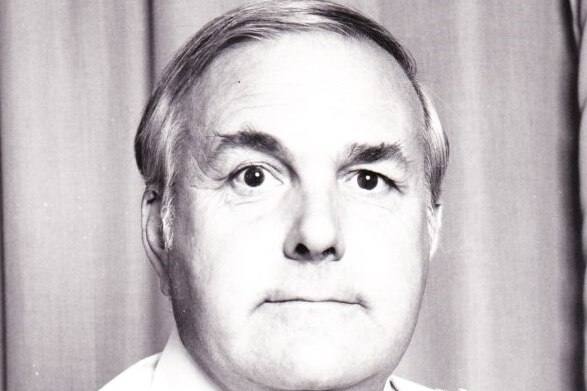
column 309, row 86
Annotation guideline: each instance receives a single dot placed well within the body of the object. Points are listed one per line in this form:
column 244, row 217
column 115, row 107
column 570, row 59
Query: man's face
column 301, row 243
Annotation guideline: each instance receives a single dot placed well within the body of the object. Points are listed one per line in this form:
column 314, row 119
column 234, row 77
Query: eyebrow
column 249, row 138
column 356, row 153
column 366, row 153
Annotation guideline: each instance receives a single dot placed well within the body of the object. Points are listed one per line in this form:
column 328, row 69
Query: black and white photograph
column 293, row 195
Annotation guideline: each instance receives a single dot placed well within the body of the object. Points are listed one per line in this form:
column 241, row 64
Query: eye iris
column 254, row 176
column 367, row 180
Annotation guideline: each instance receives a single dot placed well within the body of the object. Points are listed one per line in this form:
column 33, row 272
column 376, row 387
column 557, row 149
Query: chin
column 318, row 365
column 303, row 376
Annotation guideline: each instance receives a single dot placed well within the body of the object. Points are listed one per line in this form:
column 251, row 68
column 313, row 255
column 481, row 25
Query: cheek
column 232, row 253
column 390, row 254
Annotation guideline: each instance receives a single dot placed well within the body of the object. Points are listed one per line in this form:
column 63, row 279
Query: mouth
column 302, row 300
column 310, row 301
column 305, row 298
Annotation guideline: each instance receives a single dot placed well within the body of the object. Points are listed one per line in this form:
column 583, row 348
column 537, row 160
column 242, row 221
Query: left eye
column 253, row 178
column 367, row 180
column 371, row 181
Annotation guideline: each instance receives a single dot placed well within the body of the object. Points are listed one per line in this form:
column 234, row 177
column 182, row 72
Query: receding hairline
column 250, row 22
column 207, row 83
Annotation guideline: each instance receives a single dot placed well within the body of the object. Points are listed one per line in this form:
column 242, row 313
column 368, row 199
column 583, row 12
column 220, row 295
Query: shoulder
column 137, row 377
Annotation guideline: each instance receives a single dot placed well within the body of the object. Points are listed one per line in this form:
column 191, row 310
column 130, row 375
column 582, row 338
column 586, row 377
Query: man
column 293, row 169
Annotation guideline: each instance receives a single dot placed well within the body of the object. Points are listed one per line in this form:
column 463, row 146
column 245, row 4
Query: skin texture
column 312, row 278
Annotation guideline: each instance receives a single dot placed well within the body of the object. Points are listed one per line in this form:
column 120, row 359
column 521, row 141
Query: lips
column 310, row 300
column 283, row 298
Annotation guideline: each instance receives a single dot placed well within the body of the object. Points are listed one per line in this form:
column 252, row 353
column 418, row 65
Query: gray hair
column 162, row 130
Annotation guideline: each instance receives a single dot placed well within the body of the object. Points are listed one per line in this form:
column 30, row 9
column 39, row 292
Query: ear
column 434, row 223
column 153, row 239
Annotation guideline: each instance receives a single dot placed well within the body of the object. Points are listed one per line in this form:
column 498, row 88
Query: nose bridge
column 318, row 206
column 319, row 199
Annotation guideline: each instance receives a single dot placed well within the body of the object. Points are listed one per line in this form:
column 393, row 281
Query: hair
column 160, row 137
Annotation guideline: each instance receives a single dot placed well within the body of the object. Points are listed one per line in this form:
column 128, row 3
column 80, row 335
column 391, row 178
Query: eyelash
column 242, row 168
column 392, row 184
column 271, row 178
column 388, row 181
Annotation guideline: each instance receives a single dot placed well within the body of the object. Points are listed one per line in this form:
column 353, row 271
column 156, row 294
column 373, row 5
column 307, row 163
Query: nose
column 315, row 234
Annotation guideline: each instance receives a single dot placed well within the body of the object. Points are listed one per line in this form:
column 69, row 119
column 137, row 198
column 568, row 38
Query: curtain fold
column 79, row 294
column 579, row 16
column 504, row 302
column 502, row 310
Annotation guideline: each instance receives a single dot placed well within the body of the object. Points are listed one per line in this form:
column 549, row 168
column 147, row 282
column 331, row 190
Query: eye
column 254, row 178
column 370, row 181
column 367, row 180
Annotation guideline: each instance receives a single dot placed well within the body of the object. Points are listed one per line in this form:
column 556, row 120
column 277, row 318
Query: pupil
column 367, row 180
column 254, row 176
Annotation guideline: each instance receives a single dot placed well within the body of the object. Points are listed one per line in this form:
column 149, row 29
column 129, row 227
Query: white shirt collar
column 177, row 371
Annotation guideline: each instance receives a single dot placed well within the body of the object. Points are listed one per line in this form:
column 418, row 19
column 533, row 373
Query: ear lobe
column 434, row 223
column 153, row 240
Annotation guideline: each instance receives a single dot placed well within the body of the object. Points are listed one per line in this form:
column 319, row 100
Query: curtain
column 504, row 304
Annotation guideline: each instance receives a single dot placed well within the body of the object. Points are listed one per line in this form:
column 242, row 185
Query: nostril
column 302, row 250
column 329, row 252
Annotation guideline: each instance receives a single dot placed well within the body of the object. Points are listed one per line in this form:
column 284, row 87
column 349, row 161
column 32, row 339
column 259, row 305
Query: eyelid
column 236, row 181
column 243, row 166
column 251, row 157
column 392, row 183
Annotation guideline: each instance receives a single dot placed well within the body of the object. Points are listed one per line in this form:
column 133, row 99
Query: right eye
column 255, row 178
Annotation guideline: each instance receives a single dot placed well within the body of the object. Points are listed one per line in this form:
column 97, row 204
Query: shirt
column 175, row 370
